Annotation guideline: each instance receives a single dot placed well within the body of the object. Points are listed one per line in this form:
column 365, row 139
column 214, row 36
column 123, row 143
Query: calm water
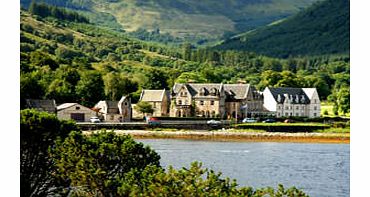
column 318, row 169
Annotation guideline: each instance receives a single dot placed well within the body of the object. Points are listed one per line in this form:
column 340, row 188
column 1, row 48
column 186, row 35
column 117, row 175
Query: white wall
column 268, row 100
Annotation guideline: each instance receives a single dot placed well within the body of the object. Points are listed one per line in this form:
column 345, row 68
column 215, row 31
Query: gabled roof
column 66, row 105
column 112, row 104
column 152, row 95
column 42, row 105
column 309, row 92
column 295, row 95
column 237, row 91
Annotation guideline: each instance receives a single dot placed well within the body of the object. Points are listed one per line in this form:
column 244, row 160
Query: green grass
column 328, row 107
column 334, row 130
column 283, row 124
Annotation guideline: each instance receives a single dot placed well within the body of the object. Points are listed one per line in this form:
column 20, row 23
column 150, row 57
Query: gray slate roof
column 42, row 105
column 296, row 95
column 236, row 91
column 152, row 95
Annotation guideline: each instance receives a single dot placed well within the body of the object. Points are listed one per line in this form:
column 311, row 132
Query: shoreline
column 239, row 136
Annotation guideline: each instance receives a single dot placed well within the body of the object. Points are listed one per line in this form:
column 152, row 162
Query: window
column 180, row 102
column 286, row 108
column 201, row 102
column 314, row 114
column 77, row 108
column 296, row 114
column 125, row 103
column 154, row 105
column 212, row 102
column 302, row 107
column 286, row 114
column 291, row 114
column 297, row 107
column 278, row 114
column 111, row 117
column 279, row 107
column 185, row 94
column 315, row 108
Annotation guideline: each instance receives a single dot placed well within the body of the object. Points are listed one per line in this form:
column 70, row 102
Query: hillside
column 190, row 19
column 73, row 61
column 320, row 29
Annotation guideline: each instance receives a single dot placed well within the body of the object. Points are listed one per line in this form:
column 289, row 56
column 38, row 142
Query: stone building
column 159, row 99
column 215, row 100
column 115, row 111
column 75, row 111
column 289, row 102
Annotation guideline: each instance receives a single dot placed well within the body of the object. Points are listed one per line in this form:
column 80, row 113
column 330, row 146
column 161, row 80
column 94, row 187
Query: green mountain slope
column 80, row 62
column 190, row 19
column 321, row 29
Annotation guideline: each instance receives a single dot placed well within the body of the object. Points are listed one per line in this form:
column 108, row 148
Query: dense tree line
column 320, row 29
column 58, row 160
column 45, row 10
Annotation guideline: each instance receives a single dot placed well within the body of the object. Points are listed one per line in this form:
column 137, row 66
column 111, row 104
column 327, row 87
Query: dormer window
column 303, row 99
column 214, row 91
column 77, row 108
column 279, row 98
column 202, row 92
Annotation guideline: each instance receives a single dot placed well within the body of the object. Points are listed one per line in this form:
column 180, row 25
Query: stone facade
column 289, row 102
column 158, row 99
column 115, row 111
column 215, row 100
column 75, row 111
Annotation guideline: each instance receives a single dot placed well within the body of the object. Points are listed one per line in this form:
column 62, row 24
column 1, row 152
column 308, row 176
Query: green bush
column 194, row 181
column 95, row 164
column 39, row 130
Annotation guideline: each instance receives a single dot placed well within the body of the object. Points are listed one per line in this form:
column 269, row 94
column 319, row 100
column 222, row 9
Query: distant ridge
column 187, row 19
column 320, row 29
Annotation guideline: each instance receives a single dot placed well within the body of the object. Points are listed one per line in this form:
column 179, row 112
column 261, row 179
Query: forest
column 75, row 61
column 322, row 28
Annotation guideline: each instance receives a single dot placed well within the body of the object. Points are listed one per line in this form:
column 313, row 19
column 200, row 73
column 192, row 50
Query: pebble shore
column 230, row 135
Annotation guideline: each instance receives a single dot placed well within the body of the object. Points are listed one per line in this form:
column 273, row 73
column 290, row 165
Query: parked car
column 94, row 119
column 214, row 122
column 249, row 120
column 288, row 121
column 270, row 120
column 154, row 121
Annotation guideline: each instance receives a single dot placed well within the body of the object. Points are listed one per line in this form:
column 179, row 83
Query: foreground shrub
column 39, row 130
column 195, row 181
column 95, row 164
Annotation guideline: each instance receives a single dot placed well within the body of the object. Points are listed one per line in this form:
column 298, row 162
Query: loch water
column 318, row 169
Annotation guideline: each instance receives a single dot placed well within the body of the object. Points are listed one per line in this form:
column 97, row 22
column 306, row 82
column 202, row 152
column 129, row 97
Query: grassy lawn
column 284, row 124
column 328, row 107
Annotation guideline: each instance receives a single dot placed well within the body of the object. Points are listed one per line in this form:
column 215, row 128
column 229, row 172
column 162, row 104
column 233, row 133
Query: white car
column 94, row 119
column 249, row 120
column 214, row 122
